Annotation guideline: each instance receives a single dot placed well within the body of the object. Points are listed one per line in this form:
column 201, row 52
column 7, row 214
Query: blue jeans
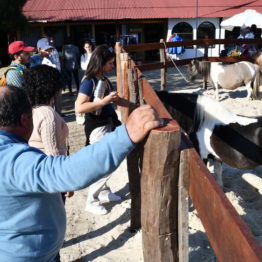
column 69, row 74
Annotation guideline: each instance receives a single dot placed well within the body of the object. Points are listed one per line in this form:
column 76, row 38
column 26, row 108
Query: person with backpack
column 20, row 55
column 100, row 118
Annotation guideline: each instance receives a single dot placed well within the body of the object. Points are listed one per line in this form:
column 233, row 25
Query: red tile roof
column 73, row 10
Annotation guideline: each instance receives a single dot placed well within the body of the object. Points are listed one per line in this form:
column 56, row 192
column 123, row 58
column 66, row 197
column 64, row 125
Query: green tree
column 11, row 16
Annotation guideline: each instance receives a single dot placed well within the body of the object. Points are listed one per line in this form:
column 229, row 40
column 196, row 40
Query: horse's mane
column 203, row 68
column 209, row 110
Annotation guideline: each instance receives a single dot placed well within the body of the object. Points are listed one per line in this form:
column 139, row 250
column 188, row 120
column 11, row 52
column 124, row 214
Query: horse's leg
column 249, row 90
column 205, row 83
column 215, row 86
column 218, row 169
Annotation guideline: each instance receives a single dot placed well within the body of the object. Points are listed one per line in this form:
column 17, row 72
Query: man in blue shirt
column 44, row 49
column 32, row 217
column 71, row 63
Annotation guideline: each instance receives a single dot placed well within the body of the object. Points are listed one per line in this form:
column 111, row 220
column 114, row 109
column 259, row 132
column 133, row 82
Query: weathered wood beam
column 159, row 196
column 230, row 238
column 168, row 64
column 183, row 204
column 156, row 46
column 163, row 59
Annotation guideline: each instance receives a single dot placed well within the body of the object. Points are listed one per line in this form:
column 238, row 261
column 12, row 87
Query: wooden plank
column 168, row 64
column 133, row 170
column 124, row 81
column 159, row 180
column 156, row 46
column 162, row 54
column 183, row 199
column 133, row 160
column 152, row 99
column 230, row 238
column 119, row 84
column 118, row 69
column 140, row 90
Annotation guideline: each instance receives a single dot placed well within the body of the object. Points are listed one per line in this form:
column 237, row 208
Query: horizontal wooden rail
column 229, row 59
column 156, row 46
column 151, row 98
column 230, row 238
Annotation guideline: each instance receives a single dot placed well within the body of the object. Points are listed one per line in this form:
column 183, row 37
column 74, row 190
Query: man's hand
column 141, row 121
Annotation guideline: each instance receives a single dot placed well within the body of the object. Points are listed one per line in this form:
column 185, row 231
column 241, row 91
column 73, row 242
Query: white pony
column 228, row 76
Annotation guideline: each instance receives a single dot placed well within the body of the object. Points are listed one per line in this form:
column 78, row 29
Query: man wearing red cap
column 20, row 55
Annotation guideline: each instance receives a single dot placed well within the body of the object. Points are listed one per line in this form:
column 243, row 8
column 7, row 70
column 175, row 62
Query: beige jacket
column 50, row 131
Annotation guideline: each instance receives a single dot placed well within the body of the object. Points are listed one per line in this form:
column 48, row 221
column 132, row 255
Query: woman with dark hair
column 88, row 46
column 100, row 117
column 42, row 83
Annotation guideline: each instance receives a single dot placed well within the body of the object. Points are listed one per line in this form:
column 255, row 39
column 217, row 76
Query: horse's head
column 192, row 70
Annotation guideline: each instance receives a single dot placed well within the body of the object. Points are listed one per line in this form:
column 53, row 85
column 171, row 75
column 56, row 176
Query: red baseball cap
column 17, row 46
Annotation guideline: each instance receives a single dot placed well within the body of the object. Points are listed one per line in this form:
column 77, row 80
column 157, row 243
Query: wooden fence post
column 118, row 69
column 206, row 57
column 119, row 81
column 183, row 199
column 162, row 53
column 133, row 166
column 159, row 188
column 124, row 82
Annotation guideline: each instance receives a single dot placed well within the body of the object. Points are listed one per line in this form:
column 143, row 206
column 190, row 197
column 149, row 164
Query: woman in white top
column 85, row 58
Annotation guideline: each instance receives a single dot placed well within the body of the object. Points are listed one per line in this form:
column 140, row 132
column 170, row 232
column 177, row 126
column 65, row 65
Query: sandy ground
column 107, row 238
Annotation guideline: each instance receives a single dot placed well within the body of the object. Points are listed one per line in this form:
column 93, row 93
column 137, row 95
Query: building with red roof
column 105, row 21
column 147, row 20
column 94, row 10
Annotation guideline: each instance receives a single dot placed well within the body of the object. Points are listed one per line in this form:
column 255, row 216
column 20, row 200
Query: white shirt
column 249, row 35
column 85, row 58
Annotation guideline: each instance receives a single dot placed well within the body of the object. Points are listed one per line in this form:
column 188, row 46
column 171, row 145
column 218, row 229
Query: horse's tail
column 256, row 84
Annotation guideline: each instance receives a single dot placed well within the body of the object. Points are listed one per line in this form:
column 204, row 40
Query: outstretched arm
column 33, row 171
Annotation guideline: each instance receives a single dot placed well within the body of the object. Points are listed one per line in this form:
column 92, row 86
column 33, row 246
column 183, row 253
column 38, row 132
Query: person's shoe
column 108, row 196
column 96, row 208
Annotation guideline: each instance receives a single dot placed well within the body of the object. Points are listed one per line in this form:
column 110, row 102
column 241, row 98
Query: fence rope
column 175, row 64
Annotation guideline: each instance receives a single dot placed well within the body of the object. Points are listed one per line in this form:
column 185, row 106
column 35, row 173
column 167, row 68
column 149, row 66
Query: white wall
column 195, row 22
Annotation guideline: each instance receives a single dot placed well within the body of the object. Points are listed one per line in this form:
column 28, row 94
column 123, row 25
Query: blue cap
column 44, row 44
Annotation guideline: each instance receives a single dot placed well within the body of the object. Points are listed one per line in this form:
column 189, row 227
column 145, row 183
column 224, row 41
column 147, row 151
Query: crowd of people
column 36, row 172
column 246, row 32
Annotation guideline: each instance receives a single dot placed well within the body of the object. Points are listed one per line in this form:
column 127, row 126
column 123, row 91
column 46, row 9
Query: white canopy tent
column 247, row 18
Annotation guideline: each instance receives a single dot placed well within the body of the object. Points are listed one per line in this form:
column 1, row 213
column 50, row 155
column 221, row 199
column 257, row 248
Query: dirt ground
column 107, row 238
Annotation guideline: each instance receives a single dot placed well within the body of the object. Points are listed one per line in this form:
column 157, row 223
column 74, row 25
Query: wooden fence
column 164, row 171
column 164, row 63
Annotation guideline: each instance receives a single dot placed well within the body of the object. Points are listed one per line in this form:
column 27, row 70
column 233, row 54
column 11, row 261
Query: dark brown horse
column 217, row 132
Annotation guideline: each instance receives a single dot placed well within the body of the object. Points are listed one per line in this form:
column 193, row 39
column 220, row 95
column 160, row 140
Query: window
column 184, row 30
column 206, row 29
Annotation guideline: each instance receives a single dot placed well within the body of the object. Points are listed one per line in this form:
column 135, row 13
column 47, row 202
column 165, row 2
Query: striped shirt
column 14, row 77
